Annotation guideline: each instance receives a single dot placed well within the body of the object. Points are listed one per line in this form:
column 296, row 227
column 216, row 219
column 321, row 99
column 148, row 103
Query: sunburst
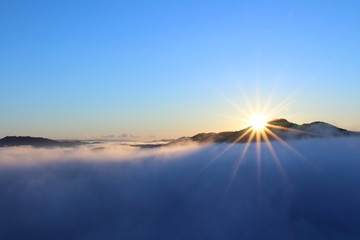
column 259, row 128
column 258, row 122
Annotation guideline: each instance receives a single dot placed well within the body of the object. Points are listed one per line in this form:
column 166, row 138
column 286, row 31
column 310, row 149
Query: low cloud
column 110, row 191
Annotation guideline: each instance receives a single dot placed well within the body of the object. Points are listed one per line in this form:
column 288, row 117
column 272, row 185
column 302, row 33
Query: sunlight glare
column 258, row 122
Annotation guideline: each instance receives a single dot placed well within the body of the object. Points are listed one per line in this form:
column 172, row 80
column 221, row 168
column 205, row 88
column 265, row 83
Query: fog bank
column 117, row 192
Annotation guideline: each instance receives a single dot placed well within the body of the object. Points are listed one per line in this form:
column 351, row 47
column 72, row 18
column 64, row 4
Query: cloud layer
column 116, row 192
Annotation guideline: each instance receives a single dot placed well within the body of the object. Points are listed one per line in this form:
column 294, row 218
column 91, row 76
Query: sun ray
column 257, row 97
column 237, row 107
column 238, row 139
column 282, row 141
column 267, row 104
column 246, row 148
column 276, row 137
column 247, row 102
column 292, row 130
column 258, row 155
column 227, row 148
column 284, row 102
column 259, row 132
column 275, row 156
column 292, row 149
column 228, row 117
column 232, row 103
column 219, row 155
column 238, row 163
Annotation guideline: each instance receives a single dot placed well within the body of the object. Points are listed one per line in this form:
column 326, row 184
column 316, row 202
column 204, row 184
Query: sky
column 166, row 69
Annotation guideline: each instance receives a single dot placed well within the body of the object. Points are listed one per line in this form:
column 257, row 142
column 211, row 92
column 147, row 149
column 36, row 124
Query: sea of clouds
column 109, row 191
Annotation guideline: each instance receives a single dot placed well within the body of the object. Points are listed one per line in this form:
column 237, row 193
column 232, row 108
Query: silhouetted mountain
column 279, row 127
column 11, row 141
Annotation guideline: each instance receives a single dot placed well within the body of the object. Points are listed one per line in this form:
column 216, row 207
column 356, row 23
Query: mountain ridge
column 280, row 127
column 12, row 141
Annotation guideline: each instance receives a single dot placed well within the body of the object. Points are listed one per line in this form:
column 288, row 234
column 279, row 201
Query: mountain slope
column 280, row 127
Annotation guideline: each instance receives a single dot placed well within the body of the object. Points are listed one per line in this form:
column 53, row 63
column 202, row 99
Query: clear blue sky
column 77, row 69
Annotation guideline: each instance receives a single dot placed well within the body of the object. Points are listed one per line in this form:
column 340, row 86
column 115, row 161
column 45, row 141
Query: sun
column 260, row 130
column 258, row 122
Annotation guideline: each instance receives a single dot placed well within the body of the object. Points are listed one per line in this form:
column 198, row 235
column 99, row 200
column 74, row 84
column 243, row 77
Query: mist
column 110, row 191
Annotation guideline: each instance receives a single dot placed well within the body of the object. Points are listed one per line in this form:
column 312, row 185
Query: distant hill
column 11, row 141
column 280, row 127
